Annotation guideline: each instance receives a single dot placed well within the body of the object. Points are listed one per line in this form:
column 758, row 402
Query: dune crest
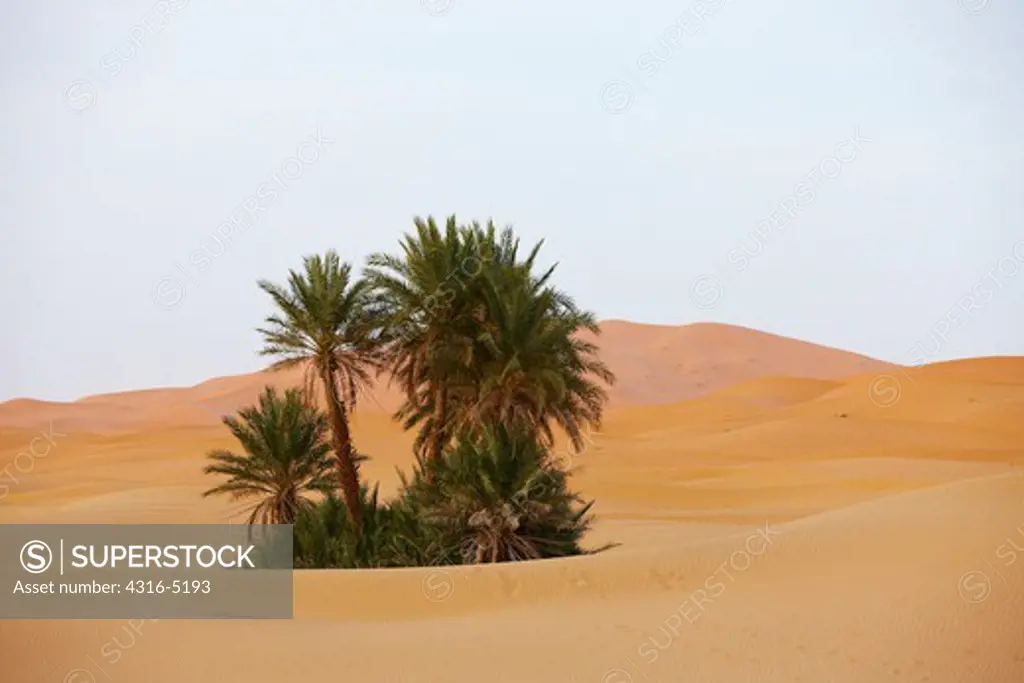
column 655, row 364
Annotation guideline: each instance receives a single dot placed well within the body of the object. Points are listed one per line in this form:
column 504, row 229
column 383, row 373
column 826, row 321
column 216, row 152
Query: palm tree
column 286, row 456
column 498, row 497
column 533, row 366
column 323, row 324
column 500, row 346
column 425, row 301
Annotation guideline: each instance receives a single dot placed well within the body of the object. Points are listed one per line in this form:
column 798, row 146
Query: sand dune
column 655, row 364
column 664, row 364
column 876, row 591
column 831, row 519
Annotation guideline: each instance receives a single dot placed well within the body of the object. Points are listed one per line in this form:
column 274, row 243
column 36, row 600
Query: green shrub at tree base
column 498, row 497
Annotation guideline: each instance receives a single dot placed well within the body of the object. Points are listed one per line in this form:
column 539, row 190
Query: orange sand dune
column 842, row 523
column 664, row 364
column 655, row 364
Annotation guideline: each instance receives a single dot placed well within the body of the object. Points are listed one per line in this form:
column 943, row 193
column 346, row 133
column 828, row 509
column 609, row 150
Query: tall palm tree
column 425, row 301
column 323, row 323
column 533, row 367
column 500, row 346
column 286, row 457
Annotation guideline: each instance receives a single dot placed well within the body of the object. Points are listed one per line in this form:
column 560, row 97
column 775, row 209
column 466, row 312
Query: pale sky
column 124, row 147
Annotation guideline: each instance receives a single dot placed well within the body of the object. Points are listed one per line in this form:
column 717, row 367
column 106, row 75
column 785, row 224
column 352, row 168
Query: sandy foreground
column 862, row 529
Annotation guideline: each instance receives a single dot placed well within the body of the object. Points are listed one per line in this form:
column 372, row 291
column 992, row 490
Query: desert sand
column 780, row 511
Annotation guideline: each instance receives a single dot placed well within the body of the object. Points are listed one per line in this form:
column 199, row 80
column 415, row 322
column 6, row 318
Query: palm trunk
column 348, row 476
column 440, row 422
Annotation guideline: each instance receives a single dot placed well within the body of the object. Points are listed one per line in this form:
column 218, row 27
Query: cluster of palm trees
column 490, row 360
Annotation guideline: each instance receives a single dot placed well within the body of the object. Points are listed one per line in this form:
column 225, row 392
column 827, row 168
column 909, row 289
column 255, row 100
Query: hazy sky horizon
column 847, row 174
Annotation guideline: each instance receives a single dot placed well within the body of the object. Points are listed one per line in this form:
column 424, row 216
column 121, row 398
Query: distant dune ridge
column 665, row 363
column 777, row 514
column 655, row 364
